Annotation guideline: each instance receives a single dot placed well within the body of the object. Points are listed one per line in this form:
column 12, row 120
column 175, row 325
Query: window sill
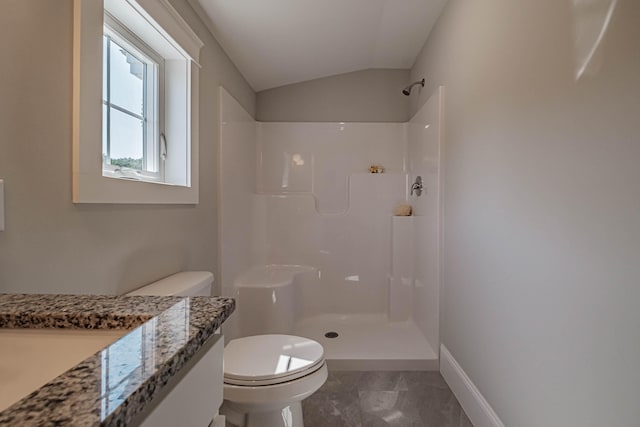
column 101, row 189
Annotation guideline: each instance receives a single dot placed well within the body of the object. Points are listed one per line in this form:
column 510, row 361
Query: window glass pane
column 127, row 140
column 127, row 80
column 105, row 149
column 104, row 67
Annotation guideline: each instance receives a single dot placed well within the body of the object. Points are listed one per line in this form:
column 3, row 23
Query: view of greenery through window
column 127, row 162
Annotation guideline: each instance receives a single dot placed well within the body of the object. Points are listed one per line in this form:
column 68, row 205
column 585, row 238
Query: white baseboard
column 472, row 401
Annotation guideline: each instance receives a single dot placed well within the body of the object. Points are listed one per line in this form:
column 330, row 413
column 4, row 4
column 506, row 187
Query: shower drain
column 331, row 334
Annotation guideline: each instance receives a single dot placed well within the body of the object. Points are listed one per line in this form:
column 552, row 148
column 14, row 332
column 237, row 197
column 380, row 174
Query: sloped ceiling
column 279, row 42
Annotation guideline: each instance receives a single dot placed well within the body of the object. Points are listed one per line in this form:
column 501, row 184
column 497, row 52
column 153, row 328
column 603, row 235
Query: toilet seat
column 264, row 360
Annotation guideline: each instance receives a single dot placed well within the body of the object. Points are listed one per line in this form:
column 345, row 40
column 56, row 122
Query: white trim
column 92, row 188
column 1, row 205
column 87, row 93
column 181, row 107
column 441, row 204
column 204, row 17
column 473, row 402
column 166, row 19
column 195, row 42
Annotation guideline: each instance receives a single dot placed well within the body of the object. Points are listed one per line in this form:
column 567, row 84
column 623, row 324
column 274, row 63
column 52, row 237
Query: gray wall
column 52, row 245
column 361, row 96
column 542, row 206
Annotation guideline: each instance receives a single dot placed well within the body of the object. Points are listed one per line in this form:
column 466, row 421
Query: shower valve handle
column 417, row 186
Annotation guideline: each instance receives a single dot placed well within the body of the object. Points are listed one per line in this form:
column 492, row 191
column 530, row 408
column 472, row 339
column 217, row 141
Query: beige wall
column 361, row 96
column 542, row 216
column 52, row 245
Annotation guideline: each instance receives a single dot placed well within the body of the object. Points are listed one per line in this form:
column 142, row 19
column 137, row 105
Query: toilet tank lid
column 186, row 283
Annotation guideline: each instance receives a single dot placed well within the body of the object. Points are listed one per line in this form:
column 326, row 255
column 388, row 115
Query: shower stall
column 300, row 196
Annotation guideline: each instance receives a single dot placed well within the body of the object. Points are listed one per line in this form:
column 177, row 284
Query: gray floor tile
column 372, row 399
column 342, row 381
column 382, row 381
column 438, row 407
column 464, row 420
column 370, row 420
column 324, row 409
column 389, row 408
column 420, row 379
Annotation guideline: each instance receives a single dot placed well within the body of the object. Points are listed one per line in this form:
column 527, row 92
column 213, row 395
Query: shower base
column 369, row 342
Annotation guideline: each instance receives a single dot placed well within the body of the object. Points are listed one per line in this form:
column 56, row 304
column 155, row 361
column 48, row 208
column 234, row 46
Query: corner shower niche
column 300, row 194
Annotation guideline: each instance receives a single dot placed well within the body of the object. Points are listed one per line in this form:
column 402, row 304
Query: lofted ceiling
column 279, row 42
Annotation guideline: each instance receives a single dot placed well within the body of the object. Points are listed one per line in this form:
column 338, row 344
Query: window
column 132, row 143
column 135, row 103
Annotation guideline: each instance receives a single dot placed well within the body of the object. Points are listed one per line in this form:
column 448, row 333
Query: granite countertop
column 110, row 387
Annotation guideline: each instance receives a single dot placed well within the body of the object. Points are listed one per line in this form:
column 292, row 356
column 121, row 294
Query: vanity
column 87, row 360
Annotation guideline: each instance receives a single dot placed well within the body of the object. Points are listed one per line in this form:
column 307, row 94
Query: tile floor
column 372, row 399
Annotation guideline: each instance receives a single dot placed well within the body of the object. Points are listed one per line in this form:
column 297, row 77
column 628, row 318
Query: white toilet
column 266, row 374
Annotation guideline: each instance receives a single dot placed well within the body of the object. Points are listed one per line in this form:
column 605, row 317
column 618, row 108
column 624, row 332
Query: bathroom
column 540, row 217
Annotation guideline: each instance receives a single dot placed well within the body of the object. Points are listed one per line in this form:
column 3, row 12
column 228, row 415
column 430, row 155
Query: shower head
column 407, row 90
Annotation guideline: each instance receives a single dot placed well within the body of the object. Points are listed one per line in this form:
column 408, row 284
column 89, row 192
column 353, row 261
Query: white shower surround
column 312, row 202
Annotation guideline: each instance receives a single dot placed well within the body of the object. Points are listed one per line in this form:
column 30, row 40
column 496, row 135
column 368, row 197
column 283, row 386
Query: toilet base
column 288, row 416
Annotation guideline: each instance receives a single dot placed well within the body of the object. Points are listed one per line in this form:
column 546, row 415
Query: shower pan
column 369, row 283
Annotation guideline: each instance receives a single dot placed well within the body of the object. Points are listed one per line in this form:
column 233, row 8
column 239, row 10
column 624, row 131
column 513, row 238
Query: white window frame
column 153, row 111
column 159, row 26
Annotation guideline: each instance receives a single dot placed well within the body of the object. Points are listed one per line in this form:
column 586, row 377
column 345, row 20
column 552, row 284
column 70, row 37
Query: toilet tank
column 183, row 284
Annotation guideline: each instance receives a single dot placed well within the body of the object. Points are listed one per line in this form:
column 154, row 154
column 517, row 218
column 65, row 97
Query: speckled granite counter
column 112, row 386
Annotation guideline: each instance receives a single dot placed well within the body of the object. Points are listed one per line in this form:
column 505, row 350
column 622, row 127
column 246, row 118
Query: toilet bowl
column 266, row 377
column 267, row 373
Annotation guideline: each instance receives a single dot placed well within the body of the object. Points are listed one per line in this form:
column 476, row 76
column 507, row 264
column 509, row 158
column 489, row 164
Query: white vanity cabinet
column 192, row 397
